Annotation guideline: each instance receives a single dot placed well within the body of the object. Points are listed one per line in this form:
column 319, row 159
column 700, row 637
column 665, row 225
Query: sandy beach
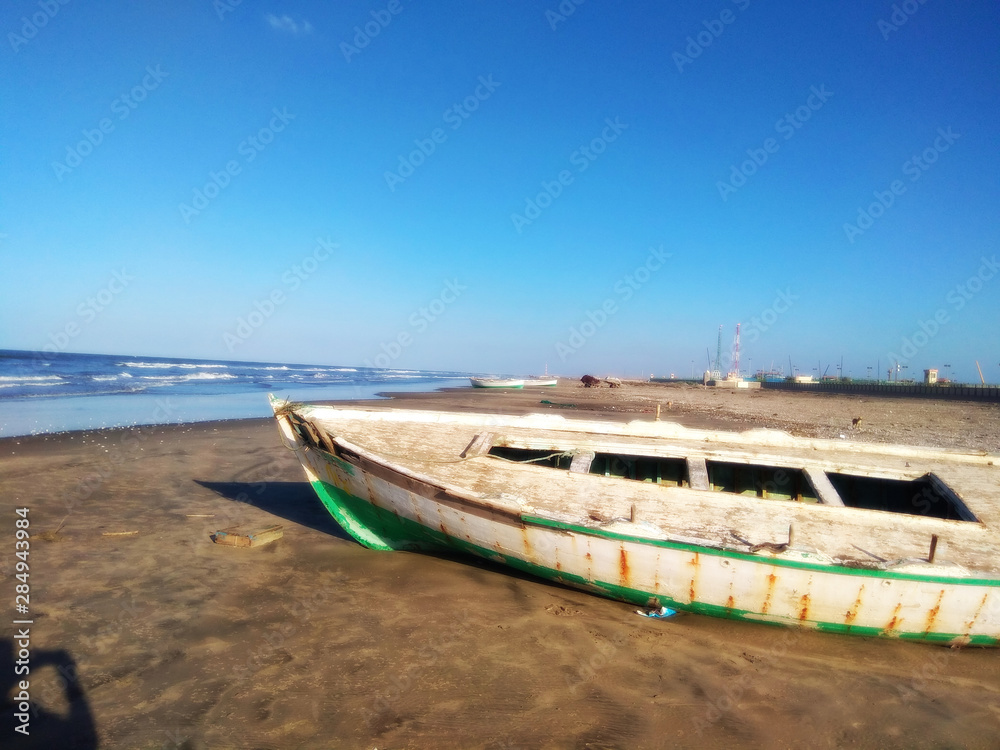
column 146, row 634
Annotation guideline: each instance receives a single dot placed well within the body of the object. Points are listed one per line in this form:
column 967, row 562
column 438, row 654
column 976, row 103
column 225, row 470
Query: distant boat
column 540, row 381
column 496, row 383
column 759, row 526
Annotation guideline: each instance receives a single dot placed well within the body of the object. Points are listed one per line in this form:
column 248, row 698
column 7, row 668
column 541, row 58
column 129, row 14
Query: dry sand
column 163, row 639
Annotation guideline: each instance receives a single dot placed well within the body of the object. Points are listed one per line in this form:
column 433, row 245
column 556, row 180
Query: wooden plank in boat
column 479, row 445
column 581, row 462
column 825, row 490
column 698, row 473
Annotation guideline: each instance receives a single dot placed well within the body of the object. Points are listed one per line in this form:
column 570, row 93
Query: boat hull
column 496, row 383
column 384, row 508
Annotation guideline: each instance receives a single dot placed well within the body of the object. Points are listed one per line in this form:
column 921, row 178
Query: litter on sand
column 660, row 613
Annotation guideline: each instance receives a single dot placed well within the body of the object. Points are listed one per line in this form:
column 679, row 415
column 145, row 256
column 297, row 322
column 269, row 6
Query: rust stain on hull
column 979, row 611
column 896, row 619
column 932, row 615
column 623, row 568
column 695, row 563
column 852, row 613
column 804, row 610
column 527, row 542
column 771, row 580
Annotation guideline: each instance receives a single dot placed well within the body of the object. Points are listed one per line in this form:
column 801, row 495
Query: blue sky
column 497, row 187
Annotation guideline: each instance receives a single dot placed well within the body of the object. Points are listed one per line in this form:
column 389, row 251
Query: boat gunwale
column 379, row 467
column 644, row 429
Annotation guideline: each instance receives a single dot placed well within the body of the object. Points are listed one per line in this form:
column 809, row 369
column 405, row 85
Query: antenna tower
column 717, row 371
column 736, row 353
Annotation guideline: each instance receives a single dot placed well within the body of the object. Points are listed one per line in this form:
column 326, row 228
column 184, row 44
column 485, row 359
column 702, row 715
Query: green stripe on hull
column 380, row 529
column 778, row 562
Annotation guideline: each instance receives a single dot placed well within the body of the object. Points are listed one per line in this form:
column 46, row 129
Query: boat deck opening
column 926, row 496
column 767, row 482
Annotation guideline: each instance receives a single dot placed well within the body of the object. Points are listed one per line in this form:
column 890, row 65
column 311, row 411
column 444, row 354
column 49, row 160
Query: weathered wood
column 960, row 508
column 586, row 528
column 237, row 537
column 427, row 444
column 479, row 445
column 697, row 473
column 824, row 488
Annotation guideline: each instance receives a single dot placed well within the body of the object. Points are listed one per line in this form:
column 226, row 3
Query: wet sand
column 164, row 639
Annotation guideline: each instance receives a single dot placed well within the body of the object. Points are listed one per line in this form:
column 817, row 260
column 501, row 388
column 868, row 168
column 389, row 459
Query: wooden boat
column 496, row 383
column 863, row 539
column 532, row 382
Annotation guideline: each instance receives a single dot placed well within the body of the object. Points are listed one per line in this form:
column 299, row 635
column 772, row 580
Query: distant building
column 930, row 376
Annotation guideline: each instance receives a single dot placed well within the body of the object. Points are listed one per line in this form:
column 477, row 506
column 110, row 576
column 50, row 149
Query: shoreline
column 160, row 636
column 967, row 425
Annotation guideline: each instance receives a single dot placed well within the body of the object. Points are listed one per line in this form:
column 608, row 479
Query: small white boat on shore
column 545, row 382
column 852, row 538
column 496, row 383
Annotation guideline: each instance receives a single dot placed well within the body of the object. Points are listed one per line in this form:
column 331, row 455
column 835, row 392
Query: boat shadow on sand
column 293, row 501
column 296, row 502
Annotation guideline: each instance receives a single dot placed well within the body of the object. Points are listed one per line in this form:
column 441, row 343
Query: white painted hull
column 496, row 383
column 387, row 506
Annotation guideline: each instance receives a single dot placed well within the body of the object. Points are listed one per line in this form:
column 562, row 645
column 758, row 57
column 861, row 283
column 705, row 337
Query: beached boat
column 864, row 539
column 496, row 383
column 532, row 382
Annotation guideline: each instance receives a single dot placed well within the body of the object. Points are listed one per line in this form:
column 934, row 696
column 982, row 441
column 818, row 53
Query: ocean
column 46, row 393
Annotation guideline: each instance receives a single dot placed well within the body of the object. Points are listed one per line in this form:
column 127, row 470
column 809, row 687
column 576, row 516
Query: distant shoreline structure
column 942, row 391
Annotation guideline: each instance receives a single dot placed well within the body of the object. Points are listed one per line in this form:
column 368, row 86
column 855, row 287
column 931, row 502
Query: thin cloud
column 288, row 24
